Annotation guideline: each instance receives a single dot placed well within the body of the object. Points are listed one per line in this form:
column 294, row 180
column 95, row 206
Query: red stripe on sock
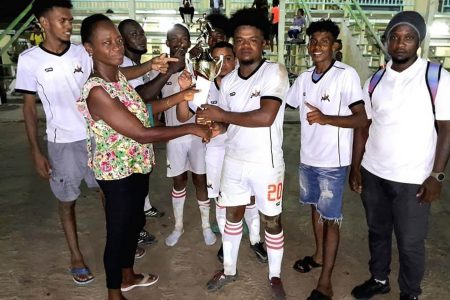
column 238, row 232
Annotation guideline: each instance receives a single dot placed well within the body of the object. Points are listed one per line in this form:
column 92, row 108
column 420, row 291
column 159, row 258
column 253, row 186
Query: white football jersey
column 333, row 94
column 58, row 80
column 260, row 145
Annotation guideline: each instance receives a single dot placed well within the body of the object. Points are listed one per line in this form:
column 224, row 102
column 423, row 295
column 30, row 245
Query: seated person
column 297, row 24
column 187, row 8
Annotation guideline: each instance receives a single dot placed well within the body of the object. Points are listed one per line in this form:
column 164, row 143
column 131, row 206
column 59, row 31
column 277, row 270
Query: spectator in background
column 215, row 6
column 37, row 36
column 298, row 23
column 263, row 6
column 274, row 20
column 187, row 8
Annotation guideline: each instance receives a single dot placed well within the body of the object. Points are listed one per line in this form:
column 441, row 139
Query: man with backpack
column 399, row 159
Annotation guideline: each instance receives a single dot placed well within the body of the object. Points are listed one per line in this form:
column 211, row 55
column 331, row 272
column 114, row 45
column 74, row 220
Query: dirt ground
column 35, row 260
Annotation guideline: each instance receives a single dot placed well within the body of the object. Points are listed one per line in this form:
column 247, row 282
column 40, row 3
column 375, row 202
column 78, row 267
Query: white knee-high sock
column 147, row 204
column 221, row 217
column 231, row 238
column 275, row 249
column 251, row 216
column 208, row 235
column 178, row 199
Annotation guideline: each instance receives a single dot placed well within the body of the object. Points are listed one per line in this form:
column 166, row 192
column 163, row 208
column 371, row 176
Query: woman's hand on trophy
column 161, row 63
column 210, row 113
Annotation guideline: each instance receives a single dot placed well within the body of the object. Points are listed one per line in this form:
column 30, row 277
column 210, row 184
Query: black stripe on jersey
column 54, row 53
column 271, row 152
column 28, row 50
column 338, row 67
column 271, row 98
column 356, row 103
column 323, row 74
column 24, row 92
column 217, row 86
column 254, row 71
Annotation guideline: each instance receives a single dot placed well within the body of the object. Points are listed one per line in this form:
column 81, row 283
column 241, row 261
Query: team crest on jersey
column 325, row 97
column 209, row 185
column 255, row 93
column 78, row 69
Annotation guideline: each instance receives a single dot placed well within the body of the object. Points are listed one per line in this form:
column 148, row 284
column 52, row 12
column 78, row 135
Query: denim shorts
column 323, row 188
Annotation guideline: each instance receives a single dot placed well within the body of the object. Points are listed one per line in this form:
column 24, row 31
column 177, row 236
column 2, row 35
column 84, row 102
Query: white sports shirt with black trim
column 333, row 94
column 57, row 79
column 259, row 145
column 402, row 138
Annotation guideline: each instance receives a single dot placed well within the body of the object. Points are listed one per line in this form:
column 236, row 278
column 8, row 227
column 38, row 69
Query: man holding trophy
column 251, row 107
column 221, row 63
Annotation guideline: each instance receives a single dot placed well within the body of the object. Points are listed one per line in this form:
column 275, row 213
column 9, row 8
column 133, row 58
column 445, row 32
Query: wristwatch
column 439, row 176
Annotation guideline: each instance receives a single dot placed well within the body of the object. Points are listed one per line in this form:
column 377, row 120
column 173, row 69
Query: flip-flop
column 148, row 280
column 82, row 276
column 306, row 264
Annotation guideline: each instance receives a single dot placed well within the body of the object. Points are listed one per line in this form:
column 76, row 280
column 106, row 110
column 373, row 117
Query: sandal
column 81, row 276
column 147, row 280
column 306, row 264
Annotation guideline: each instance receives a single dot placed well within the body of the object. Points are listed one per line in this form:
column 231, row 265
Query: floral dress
column 116, row 156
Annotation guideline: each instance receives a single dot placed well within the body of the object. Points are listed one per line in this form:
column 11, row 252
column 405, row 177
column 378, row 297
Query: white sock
column 178, row 199
column 275, row 249
column 147, row 204
column 231, row 238
column 252, row 219
column 208, row 235
column 221, row 217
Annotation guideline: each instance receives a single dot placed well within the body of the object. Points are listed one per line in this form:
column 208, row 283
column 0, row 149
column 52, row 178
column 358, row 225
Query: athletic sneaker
column 146, row 238
column 219, row 280
column 277, row 288
column 371, row 288
column 260, row 252
column 154, row 213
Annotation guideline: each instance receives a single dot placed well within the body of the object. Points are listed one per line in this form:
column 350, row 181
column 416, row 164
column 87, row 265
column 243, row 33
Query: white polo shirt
column 259, row 145
column 57, row 79
column 172, row 87
column 402, row 136
column 137, row 81
column 333, row 94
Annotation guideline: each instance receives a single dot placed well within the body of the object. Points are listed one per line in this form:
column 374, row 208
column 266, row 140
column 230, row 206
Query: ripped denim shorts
column 323, row 188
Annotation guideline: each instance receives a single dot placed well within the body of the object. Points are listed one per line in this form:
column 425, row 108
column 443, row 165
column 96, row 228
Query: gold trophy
column 203, row 68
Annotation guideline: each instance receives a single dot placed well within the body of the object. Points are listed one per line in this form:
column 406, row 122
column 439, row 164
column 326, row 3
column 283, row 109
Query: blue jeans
column 323, row 188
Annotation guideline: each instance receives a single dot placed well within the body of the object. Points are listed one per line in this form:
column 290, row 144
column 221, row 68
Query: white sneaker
column 173, row 238
column 209, row 236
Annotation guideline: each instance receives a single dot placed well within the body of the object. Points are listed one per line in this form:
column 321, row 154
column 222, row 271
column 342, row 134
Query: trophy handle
column 188, row 63
column 220, row 67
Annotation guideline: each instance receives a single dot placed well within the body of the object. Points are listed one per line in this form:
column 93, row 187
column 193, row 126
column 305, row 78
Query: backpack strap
column 433, row 74
column 375, row 80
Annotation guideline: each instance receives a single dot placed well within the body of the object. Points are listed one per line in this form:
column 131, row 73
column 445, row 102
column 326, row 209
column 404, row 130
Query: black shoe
column 146, row 238
column 220, row 254
column 277, row 288
column 370, row 288
column 260, row 252
column 404, row 296
column 154, row 213
column 219, row 280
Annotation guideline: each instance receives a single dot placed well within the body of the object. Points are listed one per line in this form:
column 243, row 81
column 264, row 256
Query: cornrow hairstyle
column 323, row 26
column 88, row 26
column 41, row 7
column 251, row 17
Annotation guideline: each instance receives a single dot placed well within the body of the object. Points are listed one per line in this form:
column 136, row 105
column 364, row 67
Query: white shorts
column 241, row 180
column 186, row 156
column 214, row 161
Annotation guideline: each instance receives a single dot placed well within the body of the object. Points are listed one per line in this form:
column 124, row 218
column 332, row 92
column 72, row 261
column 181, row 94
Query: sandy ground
column 35, row 259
